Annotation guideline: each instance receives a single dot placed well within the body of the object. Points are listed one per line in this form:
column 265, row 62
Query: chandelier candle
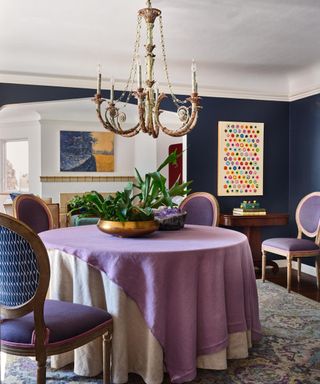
column 139, row 75
column 147, row 93
column 112, row 89
column 99, row 80
column 157, row 91
column 194, row 76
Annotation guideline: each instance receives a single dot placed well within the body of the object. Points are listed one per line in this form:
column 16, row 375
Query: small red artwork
column 175, row 171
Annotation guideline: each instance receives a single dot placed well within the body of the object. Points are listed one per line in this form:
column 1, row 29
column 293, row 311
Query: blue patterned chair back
column 25, row 329
column 24, row 267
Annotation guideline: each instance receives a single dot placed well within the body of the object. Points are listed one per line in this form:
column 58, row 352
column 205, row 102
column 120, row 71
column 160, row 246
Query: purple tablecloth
column 193, row 286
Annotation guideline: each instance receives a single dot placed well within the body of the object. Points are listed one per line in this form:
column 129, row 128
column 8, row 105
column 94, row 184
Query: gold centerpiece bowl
column 128, row 228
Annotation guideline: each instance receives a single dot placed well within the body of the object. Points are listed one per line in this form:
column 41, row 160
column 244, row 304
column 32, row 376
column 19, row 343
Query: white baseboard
column 304, row 267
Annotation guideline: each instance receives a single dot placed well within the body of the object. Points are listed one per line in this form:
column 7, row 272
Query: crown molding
column 90, row 82
column 303, row 95
column 47, row 80
column 242, row 94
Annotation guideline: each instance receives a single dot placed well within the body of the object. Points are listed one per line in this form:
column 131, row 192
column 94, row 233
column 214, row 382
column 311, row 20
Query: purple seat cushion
column 291, row 244
column 64, row 321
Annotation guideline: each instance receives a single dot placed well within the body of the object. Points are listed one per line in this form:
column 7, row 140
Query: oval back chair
column 202, row 209
column 308, row 223
column 31, row 325
column 33, row 211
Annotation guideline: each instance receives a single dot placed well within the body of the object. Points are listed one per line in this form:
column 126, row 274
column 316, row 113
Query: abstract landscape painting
column 86, row 151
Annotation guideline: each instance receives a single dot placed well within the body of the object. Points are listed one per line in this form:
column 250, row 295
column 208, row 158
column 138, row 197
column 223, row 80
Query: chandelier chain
column 148, row 99
column 165, row 63
column 133, row 69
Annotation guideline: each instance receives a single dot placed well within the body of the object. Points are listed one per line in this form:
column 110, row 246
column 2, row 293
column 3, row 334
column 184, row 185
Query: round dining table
column 179, row 299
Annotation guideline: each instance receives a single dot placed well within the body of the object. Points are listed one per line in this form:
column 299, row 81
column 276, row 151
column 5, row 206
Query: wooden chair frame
column 36, row 304
column 210, row 197
column 19, row 199
column 290, row 255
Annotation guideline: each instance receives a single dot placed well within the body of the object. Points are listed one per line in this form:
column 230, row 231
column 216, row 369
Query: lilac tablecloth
column 193, row 286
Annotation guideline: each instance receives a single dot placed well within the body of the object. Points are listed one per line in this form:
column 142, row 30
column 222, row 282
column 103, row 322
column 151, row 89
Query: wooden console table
column 251, row 227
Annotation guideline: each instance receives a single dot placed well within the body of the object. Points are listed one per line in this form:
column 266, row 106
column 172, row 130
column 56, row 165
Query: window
column 16, row 166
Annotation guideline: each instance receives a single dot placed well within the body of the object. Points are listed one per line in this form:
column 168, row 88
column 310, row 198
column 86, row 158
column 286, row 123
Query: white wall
column 47, row 119
column 50, row 161
column 29, row 130
column 145, row 153
column 50, row 144
column 53, row 190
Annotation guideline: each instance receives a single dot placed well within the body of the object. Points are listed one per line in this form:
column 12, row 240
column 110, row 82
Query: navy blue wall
column 203, row 143
column 304, row 148
column 17, row 93
column 304, row 152
column 291, row 151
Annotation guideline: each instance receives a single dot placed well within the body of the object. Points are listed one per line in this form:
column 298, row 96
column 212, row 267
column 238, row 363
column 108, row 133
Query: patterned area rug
column 289, row 352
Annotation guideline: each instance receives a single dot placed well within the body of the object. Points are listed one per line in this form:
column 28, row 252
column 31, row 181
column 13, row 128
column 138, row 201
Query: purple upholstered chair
column 31, row 325
column 33, row 211
column 202, row 209
column 308, row 223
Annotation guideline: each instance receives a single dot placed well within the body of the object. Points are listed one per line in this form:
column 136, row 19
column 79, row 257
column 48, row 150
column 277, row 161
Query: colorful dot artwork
column 240, row 158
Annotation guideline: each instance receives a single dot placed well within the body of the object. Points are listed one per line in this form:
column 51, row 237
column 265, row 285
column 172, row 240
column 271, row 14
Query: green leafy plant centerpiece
column 113, row 208
column 153, row 191
column 136, row 203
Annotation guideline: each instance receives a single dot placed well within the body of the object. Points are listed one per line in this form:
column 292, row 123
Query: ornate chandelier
column 148, row 97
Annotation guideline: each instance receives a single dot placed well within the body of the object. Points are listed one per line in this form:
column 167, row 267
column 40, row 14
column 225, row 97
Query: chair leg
column 289, row 272
column 106, row 357
column 41, row 370
column 299, row 270
column 318, row 271
column 264, row 262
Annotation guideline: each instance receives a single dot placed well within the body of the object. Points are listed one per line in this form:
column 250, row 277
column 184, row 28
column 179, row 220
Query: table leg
column 254, row 236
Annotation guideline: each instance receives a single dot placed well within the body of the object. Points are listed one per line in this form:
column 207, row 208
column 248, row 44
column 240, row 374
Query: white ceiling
column 247, row 48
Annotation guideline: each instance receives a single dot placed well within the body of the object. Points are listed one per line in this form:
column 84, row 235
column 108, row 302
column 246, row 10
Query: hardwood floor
column 307, row 286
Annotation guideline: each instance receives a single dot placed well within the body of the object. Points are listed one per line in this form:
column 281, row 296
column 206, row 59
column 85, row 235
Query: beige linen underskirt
column 134, row 348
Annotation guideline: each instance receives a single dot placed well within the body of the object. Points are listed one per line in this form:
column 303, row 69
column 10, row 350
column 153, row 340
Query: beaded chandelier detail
column 147, row 95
